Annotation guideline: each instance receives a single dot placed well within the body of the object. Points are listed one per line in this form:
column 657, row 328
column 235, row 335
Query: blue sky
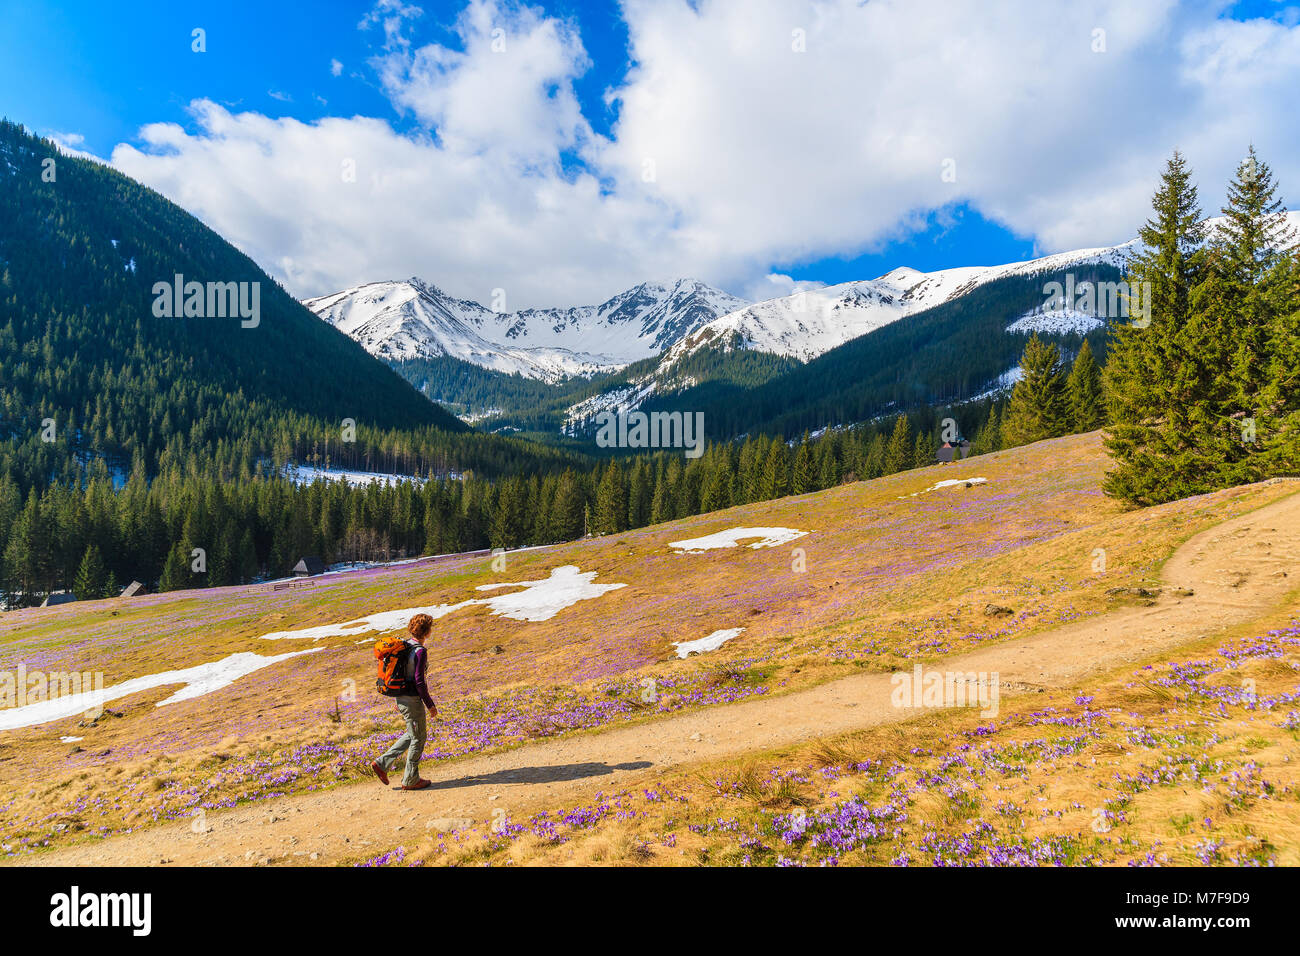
column 527, row 171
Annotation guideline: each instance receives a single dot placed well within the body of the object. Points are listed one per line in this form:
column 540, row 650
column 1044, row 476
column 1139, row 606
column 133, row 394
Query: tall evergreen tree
column 898, row 452
column 1087, row 411
column 775, row 471
column 1246, row 297
column 1152, row 384
column 610, row 514
column 802, row 476
column 1280, row 429
column 640, row 495
column 923, row 451
column 717, row 485
column 1251, row 244
column 570, row 502
column 176, row 570
column 1038, row 408
column 828, row 471
column 28, row 557
column 989, row 438
column 873, row 459
column 91, row 578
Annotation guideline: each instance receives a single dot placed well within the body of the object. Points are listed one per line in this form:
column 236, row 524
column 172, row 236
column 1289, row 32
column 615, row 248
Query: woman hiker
column 401, row 676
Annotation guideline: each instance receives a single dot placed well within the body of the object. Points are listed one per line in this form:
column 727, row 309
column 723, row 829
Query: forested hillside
column 200, row 411
column 87, row 370
column 947, row 354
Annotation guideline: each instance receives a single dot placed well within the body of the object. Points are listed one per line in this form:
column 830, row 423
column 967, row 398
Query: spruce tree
column 1279, row 431
column 640, row 495
column 828, row 472
column 802, row 475
column 1039, row 408
column 923, row 450
column 1084, row 389
column 1152, row 384
column 775, row 472
column 176, row 570
column 873, row 460
column 717, row 487
column 570, row 500
column 1252, row 242
column 509, row 515
column 898, row 452
column 91, row 577
column 1249, row 299
column 610, row 515
column 27, row 555
column 989, row 438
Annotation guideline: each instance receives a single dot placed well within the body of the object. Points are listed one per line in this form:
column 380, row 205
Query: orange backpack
column 392, row 654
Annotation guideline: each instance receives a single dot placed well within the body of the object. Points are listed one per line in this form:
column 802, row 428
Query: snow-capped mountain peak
column 414, row 318
column 398, row 320
column 813, row 321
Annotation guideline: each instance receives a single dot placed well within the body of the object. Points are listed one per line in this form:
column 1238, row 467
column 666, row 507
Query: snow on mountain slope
column 1059, row 319
column 400, row 320
column 1056, row 322
column 806, row 324
column 414, row 319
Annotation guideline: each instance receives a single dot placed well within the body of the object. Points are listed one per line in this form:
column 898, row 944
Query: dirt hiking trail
column 1235, row 572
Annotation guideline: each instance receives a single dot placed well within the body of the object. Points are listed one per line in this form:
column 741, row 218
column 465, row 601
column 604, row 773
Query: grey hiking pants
column 412, row 741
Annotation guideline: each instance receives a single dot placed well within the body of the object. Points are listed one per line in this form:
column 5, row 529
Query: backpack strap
column 407, row 667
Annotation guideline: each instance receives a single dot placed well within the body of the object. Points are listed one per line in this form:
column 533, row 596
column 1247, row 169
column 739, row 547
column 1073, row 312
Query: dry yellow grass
column 1083, row 775
column 889, row 578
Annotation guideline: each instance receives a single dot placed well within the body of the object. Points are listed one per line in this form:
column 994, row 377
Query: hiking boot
column 418, row 785
column 379, row 772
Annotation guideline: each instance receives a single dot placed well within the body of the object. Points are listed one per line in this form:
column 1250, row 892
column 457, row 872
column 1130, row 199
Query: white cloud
column 391, row 16
column 336, row 68
column 280, row 189
column 70, row 144
column 776, row 285
column 508, row 93
column 760, row 154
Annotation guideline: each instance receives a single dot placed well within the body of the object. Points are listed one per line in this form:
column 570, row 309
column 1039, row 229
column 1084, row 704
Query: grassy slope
column 1172, row 763
column 890, row 578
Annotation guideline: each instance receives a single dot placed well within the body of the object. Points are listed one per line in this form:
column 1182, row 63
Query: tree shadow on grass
column 551, row 774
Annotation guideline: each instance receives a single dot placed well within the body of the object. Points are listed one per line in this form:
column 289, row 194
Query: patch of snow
column 70, row 740
column 542, row 600
column 1056, row 322
column 710, row 643
column 770, row 538
column 473, row 418
column 538, row 601
column 968, row 482
column 306, row 474
column 198, row 680
column 948, row 483
column 1005, row 382
column 619, row 400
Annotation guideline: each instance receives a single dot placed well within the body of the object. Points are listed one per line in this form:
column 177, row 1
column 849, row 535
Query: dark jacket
column 416, row 662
